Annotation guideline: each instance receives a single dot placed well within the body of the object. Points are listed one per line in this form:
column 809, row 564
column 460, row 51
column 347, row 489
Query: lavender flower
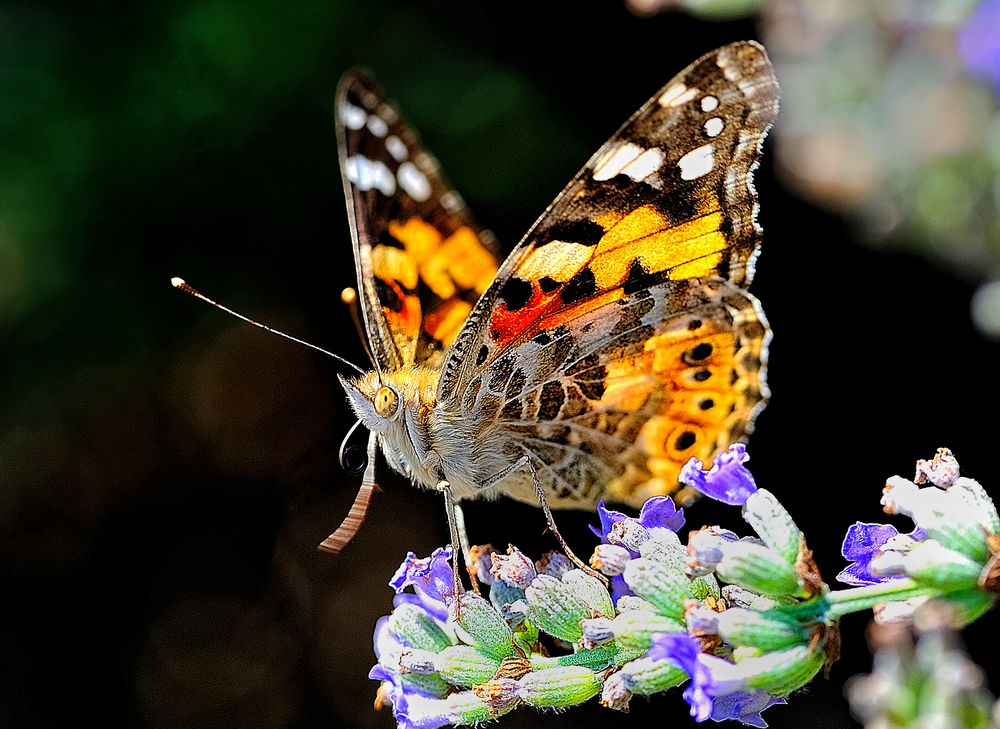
column 862, row 544
column 727, row 481
column 979, row 42
column 431, row 577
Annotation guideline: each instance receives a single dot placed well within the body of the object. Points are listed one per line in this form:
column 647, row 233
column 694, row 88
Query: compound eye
column 386, row 402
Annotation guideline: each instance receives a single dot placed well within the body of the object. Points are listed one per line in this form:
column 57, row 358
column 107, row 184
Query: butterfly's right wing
column 618, row 340
column 422, row 261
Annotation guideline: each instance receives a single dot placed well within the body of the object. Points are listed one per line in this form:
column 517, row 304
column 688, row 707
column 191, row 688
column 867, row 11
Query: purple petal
column 679, row 648
column 979, row 41
column 609, row 517
column 744, row 706
column 728, row 480
column 415, row 712
column 862, row 543
column 863, row 539
column 660, row 511
column 432, row 576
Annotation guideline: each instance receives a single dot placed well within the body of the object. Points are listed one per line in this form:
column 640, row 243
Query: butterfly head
column 380, row 399
column 376, row 403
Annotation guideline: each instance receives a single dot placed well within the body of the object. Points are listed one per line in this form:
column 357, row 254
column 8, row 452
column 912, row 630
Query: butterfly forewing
column 617, row 340
column 422, row 261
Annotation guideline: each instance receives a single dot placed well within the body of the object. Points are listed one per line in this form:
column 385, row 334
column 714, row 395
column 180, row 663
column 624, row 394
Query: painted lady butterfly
column 615, row 342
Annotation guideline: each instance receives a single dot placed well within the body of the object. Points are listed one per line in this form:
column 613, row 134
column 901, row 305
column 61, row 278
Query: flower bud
column 629, row 533
column 943, row 515
column 503, row 595
column 704, row 549
column 413, row 627
column 558, row 686
column 610, row 559
column 632, row 602
column 554, row 563
column 636, row 628
column 654, row 581
column 555, row 607
column 514, row 568
column 741, row 597
column 773, row 524
column 979, row 501
column 480, row 625
column 500, row 696
column 591, row 592
column 463, row 665
column 415, row 660
column 462, row 708
column 755, row 567
column 614, row 695
column 645, row 676
column 767, row 631
column 783, row 671
column 931, row 564
column 596, row 631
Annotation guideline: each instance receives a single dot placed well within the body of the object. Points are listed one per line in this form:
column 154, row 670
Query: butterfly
column 615, row 342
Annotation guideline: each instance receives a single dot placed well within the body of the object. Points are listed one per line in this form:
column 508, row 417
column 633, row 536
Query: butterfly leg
column 459, row 541
column 525, row 462
column 463, row 537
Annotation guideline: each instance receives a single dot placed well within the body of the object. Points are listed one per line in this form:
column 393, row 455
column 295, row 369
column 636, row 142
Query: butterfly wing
column 617, row 340
column 422, row 262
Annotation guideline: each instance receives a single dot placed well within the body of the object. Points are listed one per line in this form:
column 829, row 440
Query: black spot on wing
column 484, row 352
column 515, row 293
column 639, row 278
column 581, row 286
column 388, row 296
column 583, row 231
column 548, row 284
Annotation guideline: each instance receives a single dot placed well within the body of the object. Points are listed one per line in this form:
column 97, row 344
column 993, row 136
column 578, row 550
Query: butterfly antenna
column 359, row 509
column 179, row 283
column 350, row 297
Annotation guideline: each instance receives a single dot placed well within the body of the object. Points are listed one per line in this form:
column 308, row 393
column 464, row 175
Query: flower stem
column 856, row 599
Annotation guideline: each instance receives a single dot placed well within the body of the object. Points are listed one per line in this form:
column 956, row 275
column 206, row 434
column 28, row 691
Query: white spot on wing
column 377, row 126
column 714, row 126
column 414, row 182
column 352, row 116
column 396, row 148
column 677, row 95
column 368, row 175
column 697, row 162
column 628, row 159
column 709, row 103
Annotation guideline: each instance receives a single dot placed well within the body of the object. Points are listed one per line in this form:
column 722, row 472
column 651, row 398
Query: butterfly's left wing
column 618, row 340
column 422, row 261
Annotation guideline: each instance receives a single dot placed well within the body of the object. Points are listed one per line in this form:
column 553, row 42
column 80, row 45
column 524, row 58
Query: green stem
column 857, row 599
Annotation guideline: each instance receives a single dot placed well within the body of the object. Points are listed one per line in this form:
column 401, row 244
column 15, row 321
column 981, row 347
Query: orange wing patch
column 456, row 268
column 558, row 280
column 711, row 377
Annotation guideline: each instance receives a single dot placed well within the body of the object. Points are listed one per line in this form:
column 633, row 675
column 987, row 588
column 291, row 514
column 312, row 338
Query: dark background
column 166, row 471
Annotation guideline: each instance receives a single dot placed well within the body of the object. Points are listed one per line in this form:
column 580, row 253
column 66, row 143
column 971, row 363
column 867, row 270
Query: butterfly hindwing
column 641, row 265
column 422, row 261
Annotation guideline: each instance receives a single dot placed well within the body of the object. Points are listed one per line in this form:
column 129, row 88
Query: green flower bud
column 931, row 564
column 591, row 592
column 463, row 665
column 773, row 524
column 503, row 594
column 768, row 631
column 758, row 568
column 635, row 628
column 430, row 683
column 664, row 585
column 979, row 501
column 945, row 516
column 559, row 686
column 556, row 608
column 481, row 626
column 644, row 676
column 415, row 628
column 781, row 672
